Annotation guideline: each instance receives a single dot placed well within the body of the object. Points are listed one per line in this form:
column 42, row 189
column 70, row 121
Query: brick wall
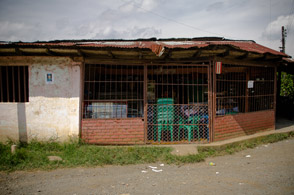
column 230, row 126
column 113, row 131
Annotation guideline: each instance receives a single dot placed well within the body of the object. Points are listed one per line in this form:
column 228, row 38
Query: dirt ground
column 269, row 169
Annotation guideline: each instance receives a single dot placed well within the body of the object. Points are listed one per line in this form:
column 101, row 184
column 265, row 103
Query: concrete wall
column 9, row 121
column 53, row 110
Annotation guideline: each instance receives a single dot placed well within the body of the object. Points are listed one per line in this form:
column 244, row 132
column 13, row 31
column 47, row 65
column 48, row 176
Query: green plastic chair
column 165, row 116
column 190, row 125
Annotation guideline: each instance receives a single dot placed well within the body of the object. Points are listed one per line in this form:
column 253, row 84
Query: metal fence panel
column 177, row 123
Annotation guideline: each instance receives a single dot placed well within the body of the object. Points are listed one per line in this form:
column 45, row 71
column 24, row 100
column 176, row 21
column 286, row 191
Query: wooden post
column 275, row 94
column 247, row 91
column 145, row 103
column 214, row 101
column 210, row 102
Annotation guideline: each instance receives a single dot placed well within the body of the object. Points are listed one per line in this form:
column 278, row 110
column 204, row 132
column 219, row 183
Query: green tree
column 287, row 85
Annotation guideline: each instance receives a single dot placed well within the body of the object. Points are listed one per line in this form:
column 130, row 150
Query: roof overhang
column 287, row 65
column 150, row 50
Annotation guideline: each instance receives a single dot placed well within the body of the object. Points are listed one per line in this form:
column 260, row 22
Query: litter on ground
column 212, row 164
column 157, row 170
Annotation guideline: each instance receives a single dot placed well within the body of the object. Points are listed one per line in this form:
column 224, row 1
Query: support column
column 145, row 103
column 247, row 91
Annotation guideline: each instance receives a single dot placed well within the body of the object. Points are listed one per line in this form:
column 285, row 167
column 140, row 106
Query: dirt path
column 269, row 170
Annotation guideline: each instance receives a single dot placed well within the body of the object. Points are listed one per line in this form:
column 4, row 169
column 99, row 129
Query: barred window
column 14, row 84
column 113, row 91
column 244, row 89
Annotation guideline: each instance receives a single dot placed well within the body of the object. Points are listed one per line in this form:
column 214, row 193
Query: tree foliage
column 287, row 85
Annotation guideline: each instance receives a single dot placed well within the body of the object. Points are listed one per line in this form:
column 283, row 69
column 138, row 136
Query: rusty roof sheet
column 289, row 60
column 156, row 46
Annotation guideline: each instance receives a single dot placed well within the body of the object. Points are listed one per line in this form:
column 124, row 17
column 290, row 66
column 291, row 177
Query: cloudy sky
column 259, row 20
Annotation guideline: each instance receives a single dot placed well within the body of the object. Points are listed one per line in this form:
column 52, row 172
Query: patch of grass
column 34, row 155
column 191, row 158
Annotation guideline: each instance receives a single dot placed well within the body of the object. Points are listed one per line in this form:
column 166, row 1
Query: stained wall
column 53, row 110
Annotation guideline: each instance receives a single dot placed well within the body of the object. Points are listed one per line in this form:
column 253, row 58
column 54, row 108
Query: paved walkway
column 282, row 126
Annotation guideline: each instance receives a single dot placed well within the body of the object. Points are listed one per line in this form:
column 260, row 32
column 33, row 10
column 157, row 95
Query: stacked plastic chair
column 165, row 116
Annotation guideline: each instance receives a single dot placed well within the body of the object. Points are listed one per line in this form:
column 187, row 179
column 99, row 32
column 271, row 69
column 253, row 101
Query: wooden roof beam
column 224, row 54
column 49, row 52
column 197, row 54
column 245, row 55
column 18, row 51
column 110, row 54
column 268, row 56
column 80, row 53
column 140, row 55
column 168, row 54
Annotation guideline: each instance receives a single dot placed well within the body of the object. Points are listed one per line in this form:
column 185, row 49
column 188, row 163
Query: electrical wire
column 175, row 21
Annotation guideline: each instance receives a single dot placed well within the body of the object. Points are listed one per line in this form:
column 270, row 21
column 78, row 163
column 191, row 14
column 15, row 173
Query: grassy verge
column 242, row 145
column 34, row 155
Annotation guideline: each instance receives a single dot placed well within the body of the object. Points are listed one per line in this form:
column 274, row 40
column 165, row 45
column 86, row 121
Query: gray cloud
column 135, row 32
column 16, row 31
column 215, row 6
column 33, row 20
column 273, row 29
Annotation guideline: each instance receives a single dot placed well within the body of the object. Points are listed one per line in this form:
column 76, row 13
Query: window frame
column 247, row 99
column 14, row 84
column 111, row 87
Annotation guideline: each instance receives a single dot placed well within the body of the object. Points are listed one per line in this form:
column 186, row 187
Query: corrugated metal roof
column 289, row 60
column 156, row 46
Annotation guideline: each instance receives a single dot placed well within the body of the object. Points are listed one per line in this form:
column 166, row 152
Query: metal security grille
column 113, row 91
column 243, row 89
column 178, row 123
column 177, row 109
column 14, row 84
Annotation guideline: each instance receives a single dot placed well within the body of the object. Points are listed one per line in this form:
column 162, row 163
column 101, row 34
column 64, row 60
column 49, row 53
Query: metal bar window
column 244, row 89
column 1, row 85
column 117, row 91
column 11, row 78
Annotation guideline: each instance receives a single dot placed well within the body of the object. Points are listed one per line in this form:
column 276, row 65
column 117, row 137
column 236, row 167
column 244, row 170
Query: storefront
column 141, row 91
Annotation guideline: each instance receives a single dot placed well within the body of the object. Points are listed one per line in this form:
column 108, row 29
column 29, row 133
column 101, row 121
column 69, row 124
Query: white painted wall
column 53, row 110
column 8, row 121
